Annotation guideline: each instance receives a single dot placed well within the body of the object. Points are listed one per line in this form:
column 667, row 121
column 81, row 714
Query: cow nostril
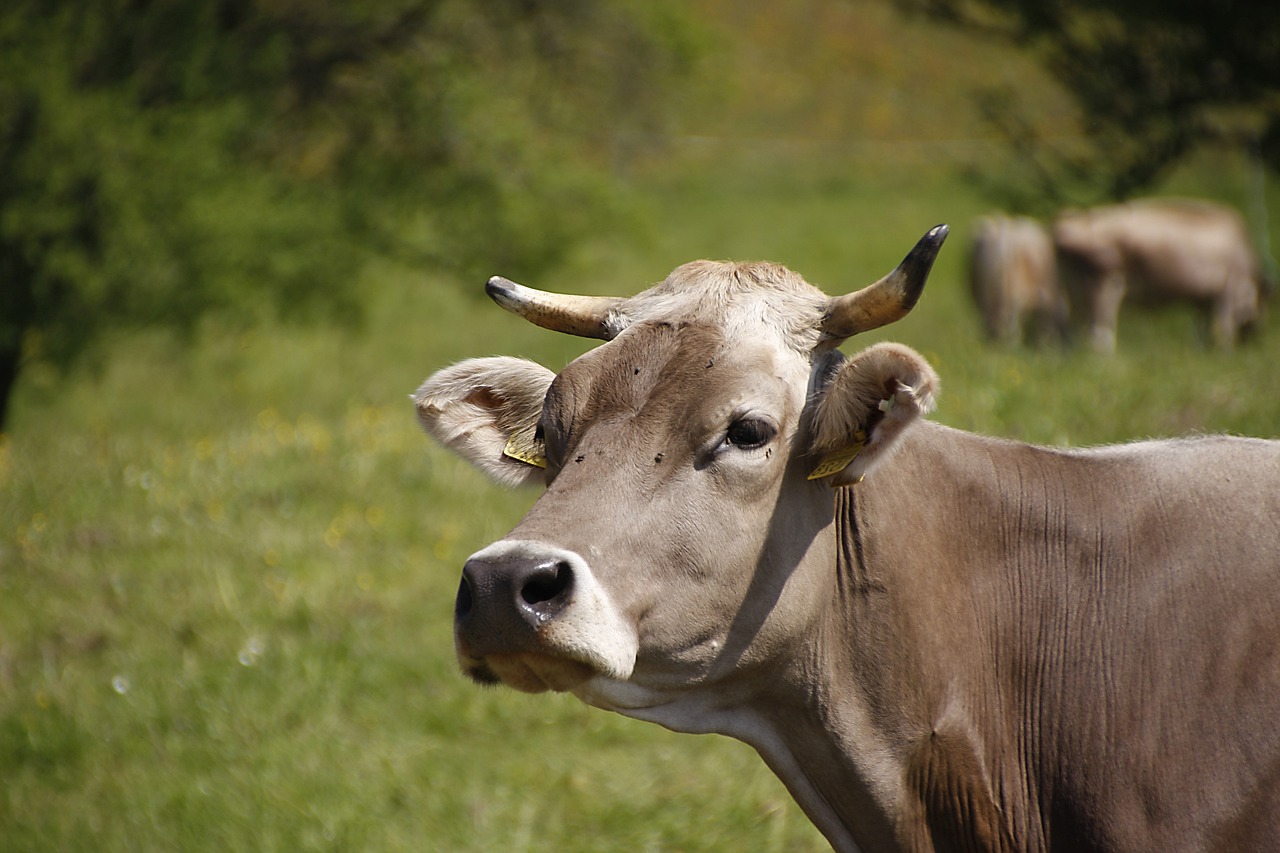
column 462, row 606
column 549, row 583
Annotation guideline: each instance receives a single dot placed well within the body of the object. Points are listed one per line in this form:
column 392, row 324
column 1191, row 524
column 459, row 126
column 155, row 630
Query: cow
column 1160, row 250
column 937, row 640
column 1014, row 280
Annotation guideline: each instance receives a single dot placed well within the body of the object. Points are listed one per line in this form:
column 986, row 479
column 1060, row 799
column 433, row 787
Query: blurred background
column 235, row 236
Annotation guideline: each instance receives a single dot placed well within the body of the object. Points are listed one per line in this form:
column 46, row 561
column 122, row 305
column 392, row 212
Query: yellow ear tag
column 523, row 447
column 837, row 460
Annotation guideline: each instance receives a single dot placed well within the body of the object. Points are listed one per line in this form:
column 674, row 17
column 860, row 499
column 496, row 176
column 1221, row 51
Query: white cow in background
column 1014, row 280
column 1159, row 250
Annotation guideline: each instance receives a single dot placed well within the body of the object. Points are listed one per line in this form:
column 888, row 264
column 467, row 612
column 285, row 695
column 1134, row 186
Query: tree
column 1154, row 80
column 161, row 159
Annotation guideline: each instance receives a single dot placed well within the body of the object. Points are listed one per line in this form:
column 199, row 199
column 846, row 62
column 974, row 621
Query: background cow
column 1014, row 280
column 967, row 643
column 1159, row 249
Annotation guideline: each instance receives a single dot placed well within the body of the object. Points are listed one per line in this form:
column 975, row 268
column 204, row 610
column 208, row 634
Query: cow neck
column 910, row 618
column 820, row 734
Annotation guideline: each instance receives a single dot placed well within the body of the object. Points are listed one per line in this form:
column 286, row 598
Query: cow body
column 1014, row 281
column 1160, row 250
column 968, row 643
column 1068, row 650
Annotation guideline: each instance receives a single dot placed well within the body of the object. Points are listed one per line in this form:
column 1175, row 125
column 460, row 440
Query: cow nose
column 535, row 588
column 522, row 603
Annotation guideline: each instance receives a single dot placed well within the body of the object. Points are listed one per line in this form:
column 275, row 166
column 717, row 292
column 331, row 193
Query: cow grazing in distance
column 1159, row 250
column 937, row 640
column 1013, row 277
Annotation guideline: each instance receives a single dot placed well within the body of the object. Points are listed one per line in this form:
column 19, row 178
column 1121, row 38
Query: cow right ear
column 865, row 406
column 486, row 410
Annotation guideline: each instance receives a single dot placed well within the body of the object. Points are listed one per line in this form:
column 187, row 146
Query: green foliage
column 165, row 159
column 1153, row 81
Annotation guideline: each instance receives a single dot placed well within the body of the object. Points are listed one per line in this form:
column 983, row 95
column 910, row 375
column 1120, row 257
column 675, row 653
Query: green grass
column 227, row 572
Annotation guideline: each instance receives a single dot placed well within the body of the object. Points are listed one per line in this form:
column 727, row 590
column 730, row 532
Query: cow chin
column 529, row 672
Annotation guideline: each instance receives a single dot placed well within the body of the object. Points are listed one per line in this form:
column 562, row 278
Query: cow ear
column 864, row 408
column 486, row 410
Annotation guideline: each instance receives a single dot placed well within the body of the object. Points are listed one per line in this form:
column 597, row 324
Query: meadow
column 227, row 566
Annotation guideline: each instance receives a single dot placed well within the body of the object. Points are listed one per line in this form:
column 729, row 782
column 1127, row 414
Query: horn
column 886, row 301
column 585, row 316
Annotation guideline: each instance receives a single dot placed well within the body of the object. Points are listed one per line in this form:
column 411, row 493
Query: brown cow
column 1155, row 250
column 937, row 640
column 1014, row 280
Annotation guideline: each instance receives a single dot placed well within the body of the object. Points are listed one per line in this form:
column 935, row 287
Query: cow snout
column 535, row 616
column 535, row 588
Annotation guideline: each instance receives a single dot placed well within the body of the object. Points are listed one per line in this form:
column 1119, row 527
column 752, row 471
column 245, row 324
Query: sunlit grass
column 225, row 623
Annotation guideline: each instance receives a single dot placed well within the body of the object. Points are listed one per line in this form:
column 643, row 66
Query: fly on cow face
column 650, row 396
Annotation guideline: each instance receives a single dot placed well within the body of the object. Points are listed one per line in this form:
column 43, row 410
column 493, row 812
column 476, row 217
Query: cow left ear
column 486, row 410
column 866, row 405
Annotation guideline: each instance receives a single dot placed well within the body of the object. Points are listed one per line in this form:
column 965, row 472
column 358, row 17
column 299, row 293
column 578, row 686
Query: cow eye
column 749, row 433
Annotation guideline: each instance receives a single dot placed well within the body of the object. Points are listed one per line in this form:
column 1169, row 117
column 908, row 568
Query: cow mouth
column 529, row 672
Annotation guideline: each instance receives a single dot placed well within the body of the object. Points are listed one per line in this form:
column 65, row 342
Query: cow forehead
column 761, row 302
column 672, row 372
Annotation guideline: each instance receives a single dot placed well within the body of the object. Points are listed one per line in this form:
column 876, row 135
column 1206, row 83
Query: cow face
column 687, row 466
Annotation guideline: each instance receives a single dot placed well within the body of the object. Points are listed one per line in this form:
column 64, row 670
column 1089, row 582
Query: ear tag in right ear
column 837, row 460
column 523, row 447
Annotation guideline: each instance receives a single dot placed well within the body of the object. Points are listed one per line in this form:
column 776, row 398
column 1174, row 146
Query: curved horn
column 585, row 316
column 886, row 301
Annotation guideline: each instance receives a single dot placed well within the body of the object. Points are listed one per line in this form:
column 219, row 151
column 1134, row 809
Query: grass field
column 227, row 570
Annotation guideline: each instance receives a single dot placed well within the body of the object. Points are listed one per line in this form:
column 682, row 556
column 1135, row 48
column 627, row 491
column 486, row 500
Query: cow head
column 682, row 537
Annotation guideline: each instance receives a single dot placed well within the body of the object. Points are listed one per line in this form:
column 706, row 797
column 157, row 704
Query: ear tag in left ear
column 523, row 447
column 837, row 460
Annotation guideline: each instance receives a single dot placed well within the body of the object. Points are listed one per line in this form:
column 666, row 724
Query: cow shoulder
column 865, row 406
column 486, row 410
